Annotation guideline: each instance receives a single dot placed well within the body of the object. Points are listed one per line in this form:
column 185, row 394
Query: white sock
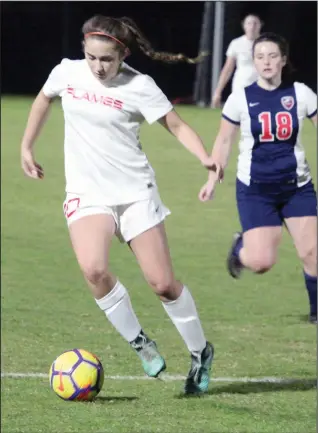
column 184, row 316
column 118, row 309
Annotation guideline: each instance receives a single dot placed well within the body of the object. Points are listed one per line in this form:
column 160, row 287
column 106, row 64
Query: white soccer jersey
column 271, row 122
column 245, row 73
column 103, row 155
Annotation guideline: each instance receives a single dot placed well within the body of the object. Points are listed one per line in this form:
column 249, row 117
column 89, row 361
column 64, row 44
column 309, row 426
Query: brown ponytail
column 127, row 32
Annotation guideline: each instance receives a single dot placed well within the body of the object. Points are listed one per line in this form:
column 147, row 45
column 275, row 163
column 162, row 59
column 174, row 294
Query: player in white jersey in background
column 111, row 187
column 274, row 184
column 239, row 56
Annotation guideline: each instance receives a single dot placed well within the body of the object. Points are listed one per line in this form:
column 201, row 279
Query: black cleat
column 234, row 266
column 313, row 319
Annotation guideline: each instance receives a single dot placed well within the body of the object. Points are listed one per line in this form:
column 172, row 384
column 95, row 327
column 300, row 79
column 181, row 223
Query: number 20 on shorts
column 70, row 207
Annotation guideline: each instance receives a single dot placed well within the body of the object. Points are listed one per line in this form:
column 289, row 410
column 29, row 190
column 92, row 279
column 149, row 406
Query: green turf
column 257, row 324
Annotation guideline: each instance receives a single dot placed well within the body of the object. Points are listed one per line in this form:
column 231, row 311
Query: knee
column 261, row 263
column 308, row 256
column 166, row 288
column 96, row 274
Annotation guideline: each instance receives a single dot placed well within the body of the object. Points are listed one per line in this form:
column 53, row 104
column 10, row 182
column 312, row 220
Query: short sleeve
column 153, row 103
column 231, row 51
column 56, row 81
column 231, row 110
column 311, row 101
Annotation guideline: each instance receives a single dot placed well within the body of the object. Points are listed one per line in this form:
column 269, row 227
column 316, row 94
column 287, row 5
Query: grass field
column 257, row 324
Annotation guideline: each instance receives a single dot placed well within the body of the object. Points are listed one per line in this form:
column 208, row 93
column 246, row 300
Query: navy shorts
column 261, row 205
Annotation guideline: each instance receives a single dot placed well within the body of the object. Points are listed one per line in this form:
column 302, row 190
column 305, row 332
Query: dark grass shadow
column 305, row 319
column 292, row 385
column 258, row 388
column 299, row 318
column 112, row 399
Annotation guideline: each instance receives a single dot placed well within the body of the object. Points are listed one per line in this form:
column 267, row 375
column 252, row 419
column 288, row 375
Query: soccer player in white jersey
column 239, row 56
column 274, row 183
column 111, row 187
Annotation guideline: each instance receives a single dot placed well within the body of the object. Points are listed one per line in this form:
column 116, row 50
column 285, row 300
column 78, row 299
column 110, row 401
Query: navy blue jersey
column 270, row 121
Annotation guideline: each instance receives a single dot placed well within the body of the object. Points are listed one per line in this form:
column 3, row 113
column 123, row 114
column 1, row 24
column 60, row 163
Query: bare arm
column 185, row 135
column 37, row 117
column 224, row 142
column 220, row 155
column 313, row 119
column 225, row 75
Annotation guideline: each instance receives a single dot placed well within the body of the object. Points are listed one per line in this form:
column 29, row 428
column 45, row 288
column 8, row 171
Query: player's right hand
column 30, row 167
column 207, row 191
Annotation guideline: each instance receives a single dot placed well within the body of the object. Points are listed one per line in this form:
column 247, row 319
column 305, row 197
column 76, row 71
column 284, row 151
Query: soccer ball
column 77, row 375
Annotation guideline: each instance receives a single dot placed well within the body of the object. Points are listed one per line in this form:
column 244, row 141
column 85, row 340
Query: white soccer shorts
column 131, row 219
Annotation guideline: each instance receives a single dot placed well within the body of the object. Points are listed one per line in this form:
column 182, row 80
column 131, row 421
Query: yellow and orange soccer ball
column 77, row 375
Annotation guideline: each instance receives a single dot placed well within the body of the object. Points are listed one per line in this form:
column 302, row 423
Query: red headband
column 108, row 36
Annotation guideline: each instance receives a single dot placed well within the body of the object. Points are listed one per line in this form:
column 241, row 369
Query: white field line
column 171, row 378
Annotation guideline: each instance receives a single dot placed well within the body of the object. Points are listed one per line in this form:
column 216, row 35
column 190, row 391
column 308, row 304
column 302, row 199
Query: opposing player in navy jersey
column 273, row 185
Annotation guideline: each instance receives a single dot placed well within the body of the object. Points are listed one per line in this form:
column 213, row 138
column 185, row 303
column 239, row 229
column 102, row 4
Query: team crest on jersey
column 287, row 102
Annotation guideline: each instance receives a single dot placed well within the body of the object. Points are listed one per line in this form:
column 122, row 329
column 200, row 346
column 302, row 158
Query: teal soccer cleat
column 198, row 378
column 152, row 362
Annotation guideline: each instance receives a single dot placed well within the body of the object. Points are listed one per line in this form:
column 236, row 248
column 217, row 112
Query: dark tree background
column 37, row 35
